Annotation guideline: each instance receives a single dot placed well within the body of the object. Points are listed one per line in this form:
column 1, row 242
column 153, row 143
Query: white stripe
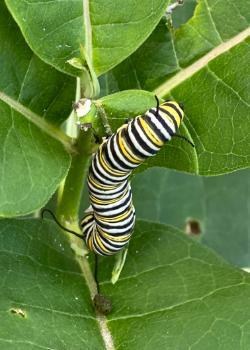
column 108, row 196
column 170, row 123
column 101, row 154
column 105, row 173
column 136, row 144
column 104, row 197
column 106, row 203
column 119, row 167
column 117, row 190
column 144, row 137
column 115, row 211
column 160, row 126
column 118, row 202
column 118, row 223
column 121, row 157
column 119, row 231
column 109, row 245
column 98, row 176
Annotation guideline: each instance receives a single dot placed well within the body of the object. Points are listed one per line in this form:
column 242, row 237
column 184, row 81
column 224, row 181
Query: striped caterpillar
column 109, row 225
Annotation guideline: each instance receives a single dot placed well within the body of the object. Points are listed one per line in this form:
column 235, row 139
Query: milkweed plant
column 124, row 160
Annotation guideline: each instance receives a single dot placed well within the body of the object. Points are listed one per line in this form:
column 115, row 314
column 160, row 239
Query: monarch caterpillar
column 109, row 226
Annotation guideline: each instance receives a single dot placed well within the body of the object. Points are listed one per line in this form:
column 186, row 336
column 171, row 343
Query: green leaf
column 45, row 302
column 212, row 24
column 55, row 29
column 173, row 293
column 206, row 68
column 127, row 104
column 148, row 67
column 27, row 79
column 218, row 119
column 164, row 52
column 32, row 162
column 219, row 204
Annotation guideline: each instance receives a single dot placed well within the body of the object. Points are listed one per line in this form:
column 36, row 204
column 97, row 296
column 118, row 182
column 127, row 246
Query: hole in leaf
column 18, row 312
column 193, row 227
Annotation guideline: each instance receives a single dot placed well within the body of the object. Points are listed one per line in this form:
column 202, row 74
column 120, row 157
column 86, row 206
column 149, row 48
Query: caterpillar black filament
column 109, row 226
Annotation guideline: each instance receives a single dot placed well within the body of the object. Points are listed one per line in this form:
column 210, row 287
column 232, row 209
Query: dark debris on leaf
column 102, row 304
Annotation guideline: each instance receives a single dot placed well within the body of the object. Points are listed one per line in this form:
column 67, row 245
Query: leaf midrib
column 40, row 122
column 190, row 70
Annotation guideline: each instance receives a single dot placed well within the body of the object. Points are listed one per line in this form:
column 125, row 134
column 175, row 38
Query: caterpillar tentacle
column 108, row 228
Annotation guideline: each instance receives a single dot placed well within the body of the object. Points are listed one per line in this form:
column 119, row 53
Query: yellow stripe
column 90, row 242
column 130, row 152
column 102, row 187
column 123, row 238
column 151, row 135
column 125, row 152
column 116, row 218
column 105, row 201
column 86, row 219
column 106, row 166
column 100, row 245
column 173, row 113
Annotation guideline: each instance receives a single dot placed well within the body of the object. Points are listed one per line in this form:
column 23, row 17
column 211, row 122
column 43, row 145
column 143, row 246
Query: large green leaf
column 220, row 204
column 173, row 293
column 213, row 23
column 32, row 162
column 55, row 29
column 207, row 70
column 217, row 103
column 27, row 79
column 168, row 51
column 45, row 302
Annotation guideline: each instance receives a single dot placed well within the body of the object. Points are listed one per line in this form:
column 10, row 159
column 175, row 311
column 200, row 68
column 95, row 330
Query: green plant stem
column 69, row 200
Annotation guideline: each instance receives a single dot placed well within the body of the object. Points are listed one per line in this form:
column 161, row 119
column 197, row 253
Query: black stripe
column 157, row 131
column 112, row 243
column 96, row 179
column 175, row 108
column 101, row 175
column 98, row 248
column 140, row 141
column 105, row 226
column 163, row 123
column 83, row 224
column 108, row 160
column 131, row 145
column 109, row 172
column 121, row 151
column 117, row 159
column 153, row 127
column 106, row 201
column 106, row 155
column 105, row 191
column 103, row 210
column 171, row 117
